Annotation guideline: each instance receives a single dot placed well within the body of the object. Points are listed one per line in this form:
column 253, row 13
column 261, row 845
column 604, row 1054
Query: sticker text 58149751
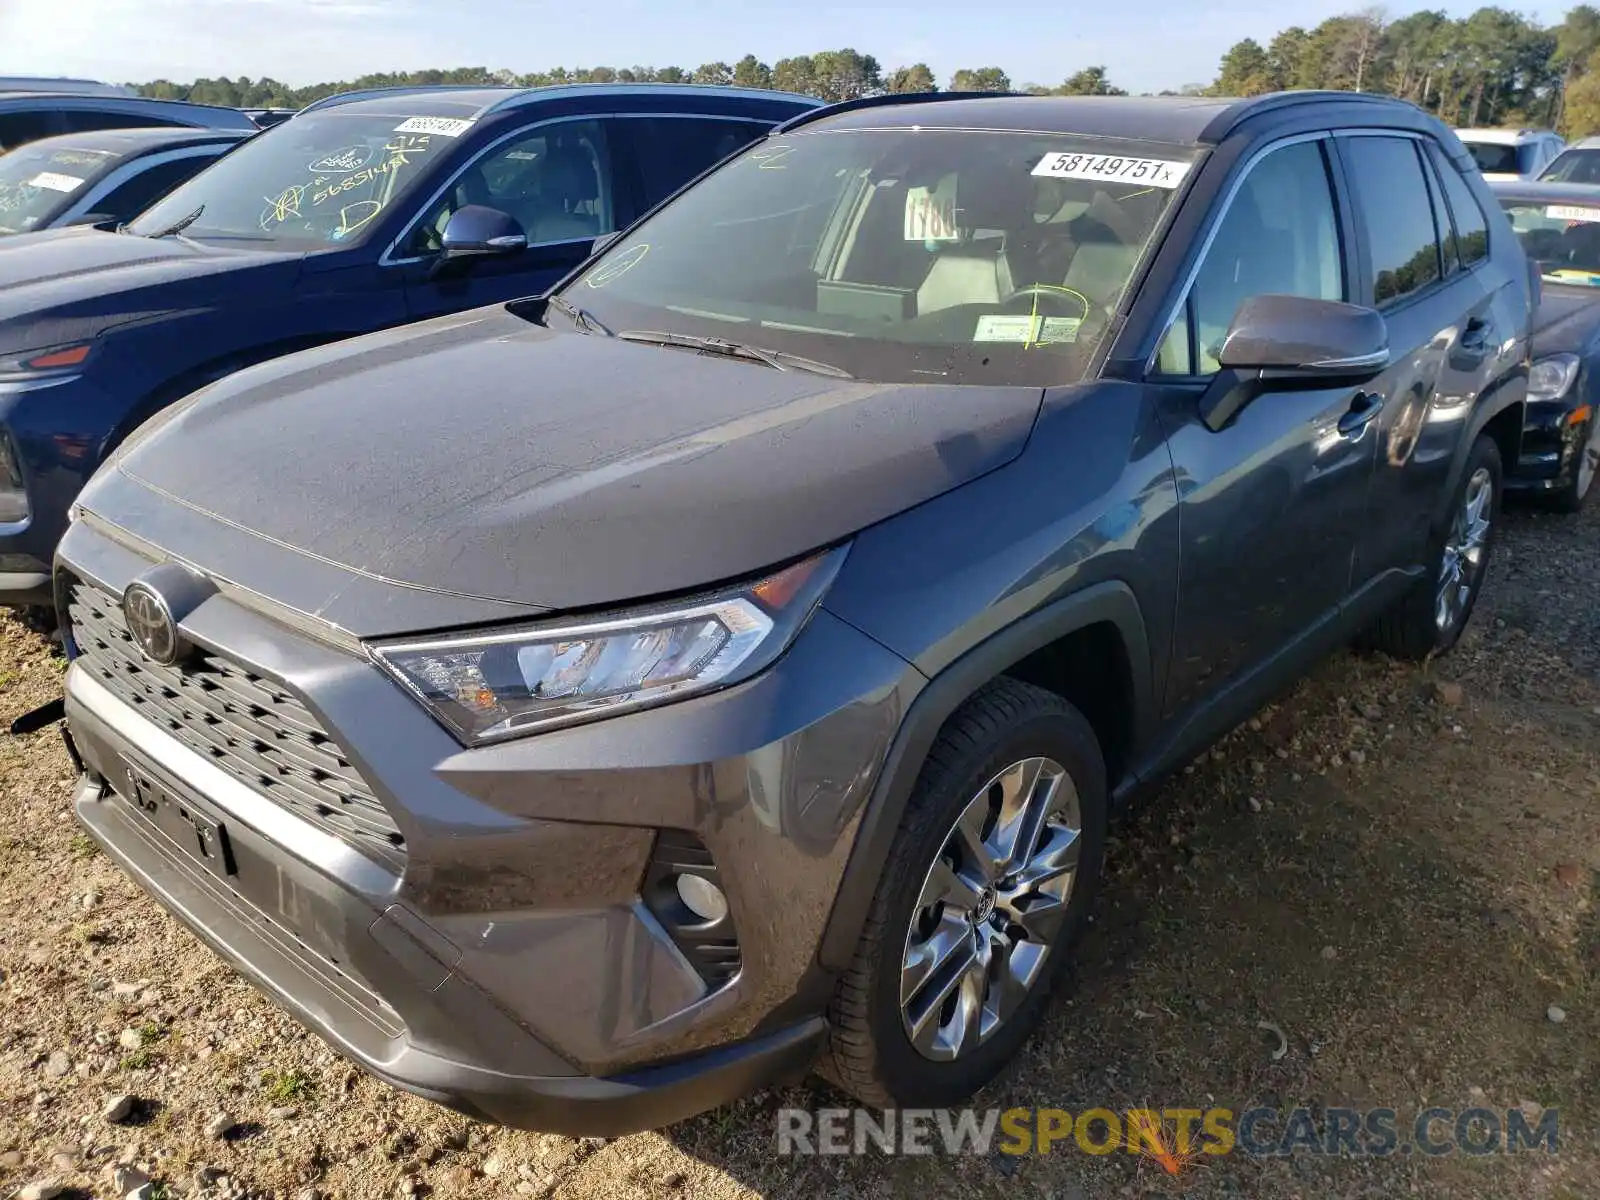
column 1114, row 168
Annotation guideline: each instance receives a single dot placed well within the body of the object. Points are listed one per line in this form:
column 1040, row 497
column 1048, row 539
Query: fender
column 1508, row 393
column 1111, row 601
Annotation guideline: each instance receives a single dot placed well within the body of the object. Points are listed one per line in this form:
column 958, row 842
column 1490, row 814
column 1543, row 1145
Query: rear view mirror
column 1318, row 338
column 1287, row 342
column 476, row 231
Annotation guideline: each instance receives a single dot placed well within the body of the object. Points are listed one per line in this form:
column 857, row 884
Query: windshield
column 1563, row 239
column 39, row 182
column 1494, row 158
column 1573, row 166
column 317, row 180
column 959, row 256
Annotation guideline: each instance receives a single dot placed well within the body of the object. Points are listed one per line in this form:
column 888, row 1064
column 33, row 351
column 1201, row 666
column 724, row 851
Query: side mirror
column 1293, row 342
column 1314, row 338
column 476, row 231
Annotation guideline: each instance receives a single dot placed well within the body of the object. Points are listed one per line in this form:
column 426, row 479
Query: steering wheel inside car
column 1053, row 300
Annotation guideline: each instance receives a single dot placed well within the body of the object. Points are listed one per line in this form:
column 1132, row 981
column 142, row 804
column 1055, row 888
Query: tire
column 1570, row 498
column 1415, row 627
column 997, row 731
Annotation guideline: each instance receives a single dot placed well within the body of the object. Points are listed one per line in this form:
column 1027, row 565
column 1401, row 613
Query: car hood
column 486, row 458
column 74, row 279
column 1567, row 319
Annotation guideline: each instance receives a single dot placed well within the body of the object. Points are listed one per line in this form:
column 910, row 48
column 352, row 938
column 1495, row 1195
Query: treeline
column 1494, row 67
column 831, row 75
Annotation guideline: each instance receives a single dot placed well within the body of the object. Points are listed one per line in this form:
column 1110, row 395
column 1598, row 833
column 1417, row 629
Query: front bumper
column 54, row 432
column 508, row 964
column 1551, row 443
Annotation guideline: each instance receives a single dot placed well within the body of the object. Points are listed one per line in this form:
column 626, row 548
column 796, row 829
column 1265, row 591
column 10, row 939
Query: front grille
column 250, row 727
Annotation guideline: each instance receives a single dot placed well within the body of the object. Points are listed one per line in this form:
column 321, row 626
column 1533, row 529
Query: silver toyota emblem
column 150, row 624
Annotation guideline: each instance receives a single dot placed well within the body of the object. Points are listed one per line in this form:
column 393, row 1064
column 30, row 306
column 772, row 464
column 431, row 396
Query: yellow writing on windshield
column 335, row 179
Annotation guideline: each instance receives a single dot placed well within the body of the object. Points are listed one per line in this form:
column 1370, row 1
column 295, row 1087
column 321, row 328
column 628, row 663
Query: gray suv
column 582, row 711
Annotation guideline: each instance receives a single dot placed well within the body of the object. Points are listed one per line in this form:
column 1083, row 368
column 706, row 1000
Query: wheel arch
column 1023, row 650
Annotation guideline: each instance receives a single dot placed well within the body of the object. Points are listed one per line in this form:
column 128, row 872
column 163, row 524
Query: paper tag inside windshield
column 443, row 126
column 1027, row 329
column 1113, row 168
column 931, row 213
column 55, row 182
column 1571, row 212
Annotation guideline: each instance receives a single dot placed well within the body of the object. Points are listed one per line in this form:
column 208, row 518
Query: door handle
column 1363, row 409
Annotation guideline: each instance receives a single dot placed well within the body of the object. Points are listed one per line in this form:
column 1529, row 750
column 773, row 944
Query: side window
column 1392, row 206
column 555, row 180
column 1471, row 226
column 1450, row 257
column 131, row 197
column 86, row 120
column 1279, row 236
column 19, row 128
column 671, row 151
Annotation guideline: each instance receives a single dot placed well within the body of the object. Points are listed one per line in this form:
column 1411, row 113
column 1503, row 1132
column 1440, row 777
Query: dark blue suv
column 365, row 211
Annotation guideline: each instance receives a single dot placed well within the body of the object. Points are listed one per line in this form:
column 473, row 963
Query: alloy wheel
column 990, row 908
column 1465, row 551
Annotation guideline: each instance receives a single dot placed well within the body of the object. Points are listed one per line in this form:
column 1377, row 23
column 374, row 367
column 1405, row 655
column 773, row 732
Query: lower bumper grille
column 251, row 727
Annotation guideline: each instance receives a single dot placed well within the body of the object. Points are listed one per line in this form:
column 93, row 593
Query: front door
column 556, row 179
column 1270, row 504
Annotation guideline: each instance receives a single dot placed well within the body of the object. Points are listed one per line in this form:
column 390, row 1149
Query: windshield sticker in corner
column 1571, row 212
column 1113, row 168
column 443, row 126
column 1027, row 330
column 55, row 182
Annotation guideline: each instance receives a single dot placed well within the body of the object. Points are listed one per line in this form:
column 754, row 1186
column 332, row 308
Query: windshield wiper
column 780, row 360
column 179, row 226
column 581, row 317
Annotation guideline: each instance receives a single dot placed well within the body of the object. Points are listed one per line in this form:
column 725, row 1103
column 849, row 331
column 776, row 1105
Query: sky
column 1146, row 45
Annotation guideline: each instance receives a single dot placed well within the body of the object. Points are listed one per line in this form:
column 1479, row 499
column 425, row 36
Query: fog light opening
column 702, row 897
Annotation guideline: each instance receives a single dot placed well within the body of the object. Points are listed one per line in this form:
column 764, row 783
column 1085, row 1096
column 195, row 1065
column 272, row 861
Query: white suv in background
column 1511, row 154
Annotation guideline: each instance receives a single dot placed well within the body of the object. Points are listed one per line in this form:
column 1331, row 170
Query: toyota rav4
column 584, row 710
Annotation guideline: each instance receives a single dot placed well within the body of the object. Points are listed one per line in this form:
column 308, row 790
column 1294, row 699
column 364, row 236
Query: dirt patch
column 1396, row 873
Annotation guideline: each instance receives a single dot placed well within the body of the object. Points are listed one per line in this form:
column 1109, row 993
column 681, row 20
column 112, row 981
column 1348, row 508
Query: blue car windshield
column 904, row 255
column 40, row 181
column 318, row 180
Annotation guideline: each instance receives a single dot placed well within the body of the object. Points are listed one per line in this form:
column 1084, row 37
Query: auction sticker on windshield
column 1152, row 172
column 443, row 126
column 1571, row 212
column 1026, row 329
column 62, row 183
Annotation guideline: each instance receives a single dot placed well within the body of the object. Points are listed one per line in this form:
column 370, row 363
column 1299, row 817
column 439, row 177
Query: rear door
column 1444, row 340
column 665, row 152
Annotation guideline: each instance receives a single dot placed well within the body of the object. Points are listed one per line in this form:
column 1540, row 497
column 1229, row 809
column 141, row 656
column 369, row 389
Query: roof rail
column 1251, row 106
column 339, row 98
column 885, row 100
column 534, row 95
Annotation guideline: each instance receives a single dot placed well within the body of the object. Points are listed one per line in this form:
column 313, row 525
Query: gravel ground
column 1395, row 866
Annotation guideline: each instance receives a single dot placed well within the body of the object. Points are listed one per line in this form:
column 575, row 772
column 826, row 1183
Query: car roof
column 473, row 102
column 140, row 141
column 212, row 116
column 1502, row 137
column 1185, row 120
column 1536, row 192
column 1592, row 142
column 78, row 87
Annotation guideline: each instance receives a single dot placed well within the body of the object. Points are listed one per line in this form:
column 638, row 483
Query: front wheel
column 988, row 881
column 1429, row 618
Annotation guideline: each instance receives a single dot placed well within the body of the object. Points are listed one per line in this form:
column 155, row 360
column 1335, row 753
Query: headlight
column 56, row 360
column 1549, row 378
column 485, row 687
